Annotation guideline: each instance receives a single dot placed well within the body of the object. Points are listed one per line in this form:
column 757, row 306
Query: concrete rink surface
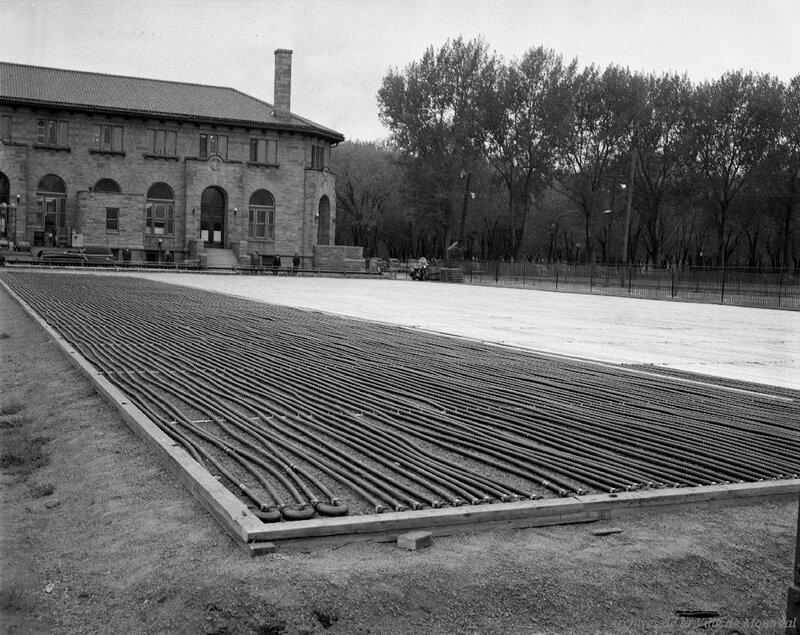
column 740, row 343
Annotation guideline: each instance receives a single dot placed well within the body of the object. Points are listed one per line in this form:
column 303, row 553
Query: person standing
column 295, row 263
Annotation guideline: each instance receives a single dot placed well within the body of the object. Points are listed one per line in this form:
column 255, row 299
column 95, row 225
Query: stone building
column 88, row 159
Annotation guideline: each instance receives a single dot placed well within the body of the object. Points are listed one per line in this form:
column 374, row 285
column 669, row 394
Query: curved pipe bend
column 304, row 513
column 268, row 516
column 334, row 508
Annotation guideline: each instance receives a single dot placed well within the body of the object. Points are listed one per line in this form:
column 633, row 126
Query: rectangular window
column 160, row 218
column 162, row 142
column 107, row 138
column 39, row 211
column 317, row 157
column 261, row 223
column 112, row 219
column 264, row 151
column 256, row 226
column 6, row 129
column 211, row 144
column 50, row 132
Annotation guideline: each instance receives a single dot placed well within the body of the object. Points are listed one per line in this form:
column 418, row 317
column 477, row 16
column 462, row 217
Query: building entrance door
column 54, row 219
column 212, row 217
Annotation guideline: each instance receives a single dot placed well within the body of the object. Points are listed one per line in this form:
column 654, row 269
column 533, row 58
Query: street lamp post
column 554, row 227
column 628, row 208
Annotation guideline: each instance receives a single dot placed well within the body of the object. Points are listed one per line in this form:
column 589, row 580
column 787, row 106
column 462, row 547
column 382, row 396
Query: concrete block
column 414, row 540
column 259, row 548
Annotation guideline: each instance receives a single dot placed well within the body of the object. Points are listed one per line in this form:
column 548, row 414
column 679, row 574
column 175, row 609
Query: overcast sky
column 343, row 48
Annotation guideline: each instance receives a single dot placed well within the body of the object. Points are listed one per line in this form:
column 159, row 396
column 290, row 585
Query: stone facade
column 296, row 177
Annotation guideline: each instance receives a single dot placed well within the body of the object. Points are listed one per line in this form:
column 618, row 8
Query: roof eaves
column 308, row 127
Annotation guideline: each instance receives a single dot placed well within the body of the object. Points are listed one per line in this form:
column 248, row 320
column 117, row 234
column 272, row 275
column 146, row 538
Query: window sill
column 117, row 153
column 164, row 157
column 13, row 144
column 258, row 164
column 112, row 231
column 40, row 146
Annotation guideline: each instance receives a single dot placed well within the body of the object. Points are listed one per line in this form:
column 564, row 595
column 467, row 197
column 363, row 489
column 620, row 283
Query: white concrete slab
column 758, row 345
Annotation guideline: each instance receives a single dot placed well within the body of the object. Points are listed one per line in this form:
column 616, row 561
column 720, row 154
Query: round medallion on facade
column 215, row 163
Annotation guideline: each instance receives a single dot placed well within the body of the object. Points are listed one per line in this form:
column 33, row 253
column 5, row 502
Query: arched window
column 51, row 209
column 262, row 215
column 107, row 185
column 324, row 221
column 160, row 210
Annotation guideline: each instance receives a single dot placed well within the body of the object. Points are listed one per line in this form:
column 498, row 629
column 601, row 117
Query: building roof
column 37, row 85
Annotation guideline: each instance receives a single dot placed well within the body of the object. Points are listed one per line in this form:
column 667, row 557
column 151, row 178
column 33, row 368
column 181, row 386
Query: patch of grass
column 12, row 599
column 40, row 490
column 22, row 455
column 325, row 618
column 11, row 406
column 271, row 627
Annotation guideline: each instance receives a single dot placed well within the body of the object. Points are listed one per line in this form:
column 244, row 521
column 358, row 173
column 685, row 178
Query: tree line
column 534, row 158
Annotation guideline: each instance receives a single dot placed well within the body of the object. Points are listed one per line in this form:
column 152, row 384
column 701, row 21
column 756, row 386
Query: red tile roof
column 37, row 85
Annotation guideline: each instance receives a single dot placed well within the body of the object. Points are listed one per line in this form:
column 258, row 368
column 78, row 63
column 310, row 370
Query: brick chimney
column 283, row 82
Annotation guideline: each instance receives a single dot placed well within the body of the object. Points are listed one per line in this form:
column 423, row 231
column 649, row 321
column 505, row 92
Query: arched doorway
column 212, row 217
column 51, row 211
column 324, row 221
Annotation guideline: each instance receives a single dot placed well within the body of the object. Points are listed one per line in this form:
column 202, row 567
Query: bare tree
column 737, row 120
column 601, row 111
column 527, row 125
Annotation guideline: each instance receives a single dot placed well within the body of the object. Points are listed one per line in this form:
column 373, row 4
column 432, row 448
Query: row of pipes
column 307, row 413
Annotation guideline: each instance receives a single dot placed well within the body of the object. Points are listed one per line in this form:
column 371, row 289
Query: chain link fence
column 740, row 286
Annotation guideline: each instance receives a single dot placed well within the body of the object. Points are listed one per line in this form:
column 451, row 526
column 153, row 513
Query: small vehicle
column 85, row 256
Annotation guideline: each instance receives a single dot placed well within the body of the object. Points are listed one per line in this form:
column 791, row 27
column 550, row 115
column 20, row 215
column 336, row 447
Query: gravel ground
column 98, row 538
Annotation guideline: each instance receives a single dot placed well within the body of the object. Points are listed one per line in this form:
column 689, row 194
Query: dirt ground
column 96, row 537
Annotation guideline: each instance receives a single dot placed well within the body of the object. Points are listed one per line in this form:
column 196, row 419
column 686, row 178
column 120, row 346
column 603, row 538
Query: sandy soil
column 98, row 538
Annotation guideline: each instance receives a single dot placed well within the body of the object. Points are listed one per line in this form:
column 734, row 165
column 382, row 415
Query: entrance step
column 221, row 259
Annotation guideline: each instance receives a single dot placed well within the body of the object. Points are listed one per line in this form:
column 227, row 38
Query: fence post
column 496, row 271
column 672, row 291
column 780, row 286
column 591, row 277
column 557, row 268
column 722, row 297
column 630, row 277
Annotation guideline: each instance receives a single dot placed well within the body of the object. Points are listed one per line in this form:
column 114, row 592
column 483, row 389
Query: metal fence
column 767, row 288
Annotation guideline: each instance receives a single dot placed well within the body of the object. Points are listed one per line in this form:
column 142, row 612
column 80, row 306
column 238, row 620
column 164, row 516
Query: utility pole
column 793, row 599
column 628, row 208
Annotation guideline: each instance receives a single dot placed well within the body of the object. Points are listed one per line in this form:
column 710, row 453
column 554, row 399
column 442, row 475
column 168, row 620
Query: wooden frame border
column 258, row 538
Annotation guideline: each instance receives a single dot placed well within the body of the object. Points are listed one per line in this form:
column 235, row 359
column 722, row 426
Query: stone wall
column 338, row 258
column 296, row 188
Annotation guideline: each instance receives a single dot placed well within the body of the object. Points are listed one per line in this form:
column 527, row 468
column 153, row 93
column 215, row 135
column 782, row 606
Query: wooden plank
column 250, row 532
column 229, row 511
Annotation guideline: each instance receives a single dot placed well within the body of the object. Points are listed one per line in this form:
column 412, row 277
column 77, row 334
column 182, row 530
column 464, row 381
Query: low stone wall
column 339, row 258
